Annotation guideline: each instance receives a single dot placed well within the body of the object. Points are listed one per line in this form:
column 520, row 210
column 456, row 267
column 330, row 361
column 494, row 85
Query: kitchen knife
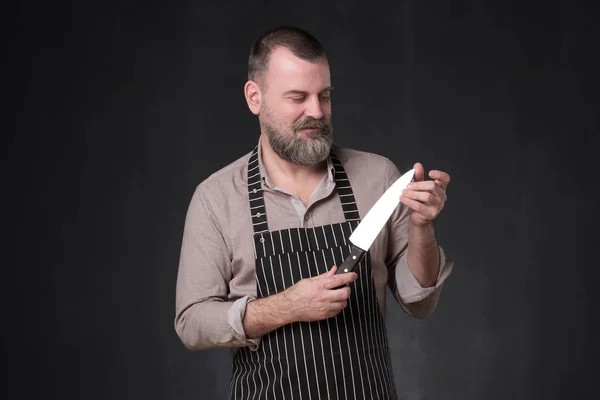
column 365, row 233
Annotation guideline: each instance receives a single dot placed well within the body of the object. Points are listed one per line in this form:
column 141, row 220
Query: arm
column 266, row 314
column 425, row 268
column 205, row 318
column 423, row 255
column 418, row 265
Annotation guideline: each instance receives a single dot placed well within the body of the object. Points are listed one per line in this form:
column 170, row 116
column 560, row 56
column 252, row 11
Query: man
column 263, row 237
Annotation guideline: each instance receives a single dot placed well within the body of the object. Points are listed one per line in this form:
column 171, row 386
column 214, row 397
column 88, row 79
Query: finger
column 441, row 185
column 427, row 211
column 441, row 178
column 423, row 185
column 435, row 191
column 327, row 274
column 427, row 198
column 340, row 294
column 338, row 305
column 413, row 204
column 340, row 279
column 332, row 312
column 419, row 172
column 429, row 208
column 426, row 187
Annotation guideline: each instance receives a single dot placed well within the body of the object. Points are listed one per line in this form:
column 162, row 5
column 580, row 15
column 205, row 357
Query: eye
column 298, row 99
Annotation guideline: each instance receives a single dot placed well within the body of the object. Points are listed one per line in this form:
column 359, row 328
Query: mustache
column 312, row 123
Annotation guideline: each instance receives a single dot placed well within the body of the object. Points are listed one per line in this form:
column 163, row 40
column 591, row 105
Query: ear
column 253, row 96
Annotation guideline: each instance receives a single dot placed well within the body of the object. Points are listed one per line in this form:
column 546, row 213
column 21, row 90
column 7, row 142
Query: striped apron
column 343, row 357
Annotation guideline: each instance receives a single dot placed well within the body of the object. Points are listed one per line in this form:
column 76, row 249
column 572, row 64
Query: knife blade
column 368, row 229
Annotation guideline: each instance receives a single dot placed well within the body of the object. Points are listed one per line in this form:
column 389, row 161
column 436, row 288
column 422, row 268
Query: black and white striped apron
column 343, row 357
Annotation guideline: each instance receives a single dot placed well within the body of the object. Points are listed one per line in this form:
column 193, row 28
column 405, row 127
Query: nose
column 313, row 108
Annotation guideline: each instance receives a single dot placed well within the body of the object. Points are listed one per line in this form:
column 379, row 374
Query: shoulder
column 223, row 178
column 224, row 186
column 370, row 175
column 360, row 163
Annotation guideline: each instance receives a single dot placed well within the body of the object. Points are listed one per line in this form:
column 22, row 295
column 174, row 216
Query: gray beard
column 298, row 151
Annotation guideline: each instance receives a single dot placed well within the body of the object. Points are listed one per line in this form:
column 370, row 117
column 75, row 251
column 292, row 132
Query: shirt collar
column 267, row 181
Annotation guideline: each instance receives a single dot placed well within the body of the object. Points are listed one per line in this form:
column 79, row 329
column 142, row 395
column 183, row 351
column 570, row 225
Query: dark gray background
column 121, row 109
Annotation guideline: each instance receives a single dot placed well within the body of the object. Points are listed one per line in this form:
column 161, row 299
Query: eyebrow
column 300, row 92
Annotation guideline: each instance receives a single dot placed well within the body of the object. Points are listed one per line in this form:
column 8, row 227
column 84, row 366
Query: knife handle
column 351, row 262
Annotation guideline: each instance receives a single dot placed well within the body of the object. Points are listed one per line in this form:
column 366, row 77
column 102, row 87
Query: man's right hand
column 310, row 299
column 319, row 297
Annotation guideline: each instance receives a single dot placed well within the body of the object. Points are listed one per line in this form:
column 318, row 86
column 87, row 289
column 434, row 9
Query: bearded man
column 264, row 235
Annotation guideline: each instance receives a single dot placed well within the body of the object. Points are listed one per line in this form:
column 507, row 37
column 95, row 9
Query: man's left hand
column 425, row 198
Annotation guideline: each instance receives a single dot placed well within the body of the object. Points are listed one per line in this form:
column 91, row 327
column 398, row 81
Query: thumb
column 419, row 172
column 331, row 272
column 327, row 274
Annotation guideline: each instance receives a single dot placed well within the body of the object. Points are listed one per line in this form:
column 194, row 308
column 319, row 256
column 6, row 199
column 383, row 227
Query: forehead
column 286, row 71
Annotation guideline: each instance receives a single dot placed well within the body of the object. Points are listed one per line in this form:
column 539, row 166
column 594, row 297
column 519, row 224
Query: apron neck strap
column 344, row 189
column 257, row 203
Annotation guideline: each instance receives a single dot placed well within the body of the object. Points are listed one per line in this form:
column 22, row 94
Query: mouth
column 309, row 130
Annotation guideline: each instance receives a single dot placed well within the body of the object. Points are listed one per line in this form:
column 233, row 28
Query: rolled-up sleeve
column 235, row 318
column 204, row 316
column 408, row 288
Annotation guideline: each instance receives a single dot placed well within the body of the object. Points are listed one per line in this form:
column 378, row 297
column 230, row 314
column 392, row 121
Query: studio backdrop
column 124, row 107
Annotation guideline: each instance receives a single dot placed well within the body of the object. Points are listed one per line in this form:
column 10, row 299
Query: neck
column 282, row 172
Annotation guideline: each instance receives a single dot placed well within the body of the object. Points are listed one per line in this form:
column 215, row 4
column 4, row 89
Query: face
column 295, row 109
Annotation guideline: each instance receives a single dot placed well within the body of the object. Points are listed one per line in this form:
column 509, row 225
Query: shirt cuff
column 408, row 287
column 235, row 318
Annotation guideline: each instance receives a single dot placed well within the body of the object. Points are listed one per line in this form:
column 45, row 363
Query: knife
column 368, row 229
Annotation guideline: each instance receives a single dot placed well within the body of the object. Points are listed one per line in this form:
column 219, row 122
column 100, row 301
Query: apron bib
column 343, row 357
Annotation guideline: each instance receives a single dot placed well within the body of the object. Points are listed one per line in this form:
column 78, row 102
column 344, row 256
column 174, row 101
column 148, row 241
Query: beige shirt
column 216, row 276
